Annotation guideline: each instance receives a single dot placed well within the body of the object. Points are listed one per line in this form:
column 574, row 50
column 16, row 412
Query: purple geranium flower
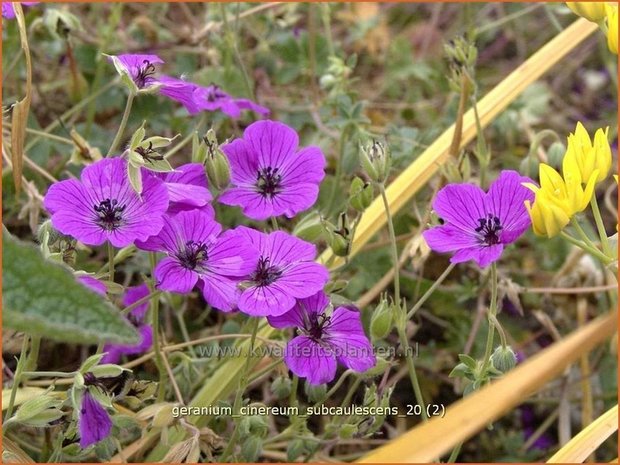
column 270, row 177
column 198, row 253
column 140, row 67
column 197, row 98
column 214, row 98
column 285, row 271
column 324, row 339
column 104, row 206
column 187, row 188
column 478, row 224
column 94, row 422
column 114, row 352
column 8, row 10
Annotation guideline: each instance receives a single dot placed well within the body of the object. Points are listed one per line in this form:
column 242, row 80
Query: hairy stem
column 122, row 126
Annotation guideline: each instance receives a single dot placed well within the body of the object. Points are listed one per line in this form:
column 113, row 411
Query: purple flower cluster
column 195, row 98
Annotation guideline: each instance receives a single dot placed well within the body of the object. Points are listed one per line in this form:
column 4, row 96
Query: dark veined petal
column 266, row 300
column 506, row 200
column 447, row 238
column 94, row 423
column 461, row 205
column 346, row 336
column 483, row 255
column 273, row 142
column 308, row 359
column 172, row 276
column 297, row 316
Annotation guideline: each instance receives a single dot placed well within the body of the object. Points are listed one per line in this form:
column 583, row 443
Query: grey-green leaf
column 44, row 298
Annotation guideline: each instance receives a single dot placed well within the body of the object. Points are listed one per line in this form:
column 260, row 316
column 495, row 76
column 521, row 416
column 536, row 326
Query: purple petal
column 246, row 104
column 116, row 351
column 283, row 248
column 308, row 166
column 506, row 200
column 447, row 238
column 132, row 295
column 253, row 204
column 273, row 142
column 303, row 279
column 219, row 291
column 294, row 199
column 232, row 255
column 243, row 162
column 351, row 346
column 94, row 423
column 271, row 300
column 173, row 277
column 483, row 255
column 297, row 316
column 461, row 205
column 93, row 284
column 308, row 359
column 188, row 94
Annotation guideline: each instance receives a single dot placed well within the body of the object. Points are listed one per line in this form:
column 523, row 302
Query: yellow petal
column 592, row 11
column 612, row 27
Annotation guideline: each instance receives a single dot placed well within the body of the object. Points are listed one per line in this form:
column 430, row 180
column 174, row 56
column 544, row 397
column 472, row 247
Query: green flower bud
column 281, row 387
column 251, row 449
column 504, row 359
column 107, row 370
column 360, row 194
column 38, row 411
column 376, row 160
column 347, row 431
column 381, row 320
column 216, row 162
column 555, row 154
column 310, row 228
column 294, row 449
column 254, row 425
column 315, row 392
column 340, row 245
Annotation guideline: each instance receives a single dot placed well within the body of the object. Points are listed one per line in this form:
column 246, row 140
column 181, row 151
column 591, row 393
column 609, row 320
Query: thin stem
column 139, row 302
column 390, row 224
column 581, row 232
column 230, row 37
column 430, row 290
column 334, row 191
column 156, row 342
column 16, row 379
column 598, row 219
column 57, row 374
column 293, row 397
column 110, row 262
column 274, row 223
column 492, row 313
column 121, row 127
column 33, row 355
column 411, row 368
column 591, row 250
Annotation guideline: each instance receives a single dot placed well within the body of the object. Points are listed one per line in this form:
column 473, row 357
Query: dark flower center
column 148, row 154
column 214, row 93
column 489, row 229
column 192, row 255
column 144, row 74
column 110, row 214
column 317, row 325
column 265, row 273
column 268, row 181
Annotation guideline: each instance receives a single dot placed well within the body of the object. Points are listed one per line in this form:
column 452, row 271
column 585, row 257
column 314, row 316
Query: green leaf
column 44, row 298
column 468, row 361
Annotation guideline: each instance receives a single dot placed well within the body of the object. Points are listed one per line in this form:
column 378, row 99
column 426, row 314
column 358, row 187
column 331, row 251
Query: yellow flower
column 558, row 199
column 547, row 218
column 583, row 156
column 592, row 11
column 612, row 27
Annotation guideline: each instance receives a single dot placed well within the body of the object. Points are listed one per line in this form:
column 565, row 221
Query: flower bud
column 340, row 239
column 360, row 194
column 504, row 359
column 294, row 449
column 555, row 153
column 254, row 425
column 315, row 392
column 216, row 163
column 376, row 161
column 310, row 228
column 347, row 431
column 251, row 449
column 39, row 411
column 281, row 387
column 612, row 27
column 592, row 11
column 584, row 156
column 381, row 320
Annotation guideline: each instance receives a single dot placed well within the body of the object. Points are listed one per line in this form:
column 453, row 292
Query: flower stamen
column 110, row 214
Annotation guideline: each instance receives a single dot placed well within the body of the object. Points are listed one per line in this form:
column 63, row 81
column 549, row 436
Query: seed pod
column 360, row 194
column 376, row 160
column 381, row 320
